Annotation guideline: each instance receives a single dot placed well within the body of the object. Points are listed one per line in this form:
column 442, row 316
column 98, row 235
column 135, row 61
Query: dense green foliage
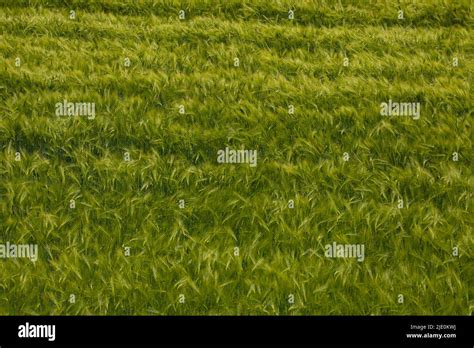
column 190, row 251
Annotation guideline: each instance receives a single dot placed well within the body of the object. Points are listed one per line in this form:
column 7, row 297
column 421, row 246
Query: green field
column 133, row 214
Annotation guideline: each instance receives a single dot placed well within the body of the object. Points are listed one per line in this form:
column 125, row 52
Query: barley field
column 118, row 122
